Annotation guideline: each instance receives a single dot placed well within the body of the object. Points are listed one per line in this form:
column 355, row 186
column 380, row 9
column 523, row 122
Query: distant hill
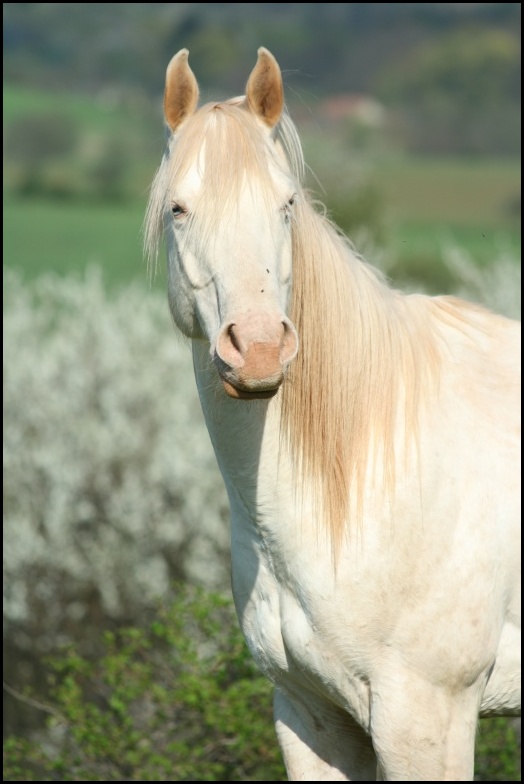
column 323, row 49
column 394, row 51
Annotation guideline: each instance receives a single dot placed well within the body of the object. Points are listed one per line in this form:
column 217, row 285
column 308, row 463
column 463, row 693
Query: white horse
column 369, row 443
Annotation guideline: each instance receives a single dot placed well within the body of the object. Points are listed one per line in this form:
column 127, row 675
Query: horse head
column 228, row 217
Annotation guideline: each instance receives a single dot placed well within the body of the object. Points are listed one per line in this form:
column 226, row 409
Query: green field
column 45, row 236
column 433, row 203
column 425, row 204
column 48, row 236
column 102, row 114
column 464, row 192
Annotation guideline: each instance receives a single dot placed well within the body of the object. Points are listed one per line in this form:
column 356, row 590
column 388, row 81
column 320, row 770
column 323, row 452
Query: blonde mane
column 365, row 351
column 368, row 356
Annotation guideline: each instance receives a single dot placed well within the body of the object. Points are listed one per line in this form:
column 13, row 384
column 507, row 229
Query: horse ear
column 264, row 91
column 181, row 91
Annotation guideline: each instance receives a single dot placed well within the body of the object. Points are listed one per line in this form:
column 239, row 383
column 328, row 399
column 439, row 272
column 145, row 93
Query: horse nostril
column 230, row 346
column 289, row 343
column 257, row 344
column 233, row 338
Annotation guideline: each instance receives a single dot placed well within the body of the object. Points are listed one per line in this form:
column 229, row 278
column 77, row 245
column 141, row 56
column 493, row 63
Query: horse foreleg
column 320, row 742
column 424, row 733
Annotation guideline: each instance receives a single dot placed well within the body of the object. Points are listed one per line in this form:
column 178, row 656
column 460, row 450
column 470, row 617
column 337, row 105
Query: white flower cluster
column 498, row 286
column 111, row 488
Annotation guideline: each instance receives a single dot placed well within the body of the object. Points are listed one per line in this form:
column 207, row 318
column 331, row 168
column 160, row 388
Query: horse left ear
column 264, row 91
column 181, row 91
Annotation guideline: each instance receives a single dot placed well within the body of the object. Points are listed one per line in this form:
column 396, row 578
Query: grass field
column 426, row 203
column 470, row 193
column 46, row 236
column 102, row 114
column 433, row 203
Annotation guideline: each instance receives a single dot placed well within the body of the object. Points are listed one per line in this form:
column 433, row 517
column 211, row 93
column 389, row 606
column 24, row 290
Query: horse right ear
column 181, row 91
column 264, row 90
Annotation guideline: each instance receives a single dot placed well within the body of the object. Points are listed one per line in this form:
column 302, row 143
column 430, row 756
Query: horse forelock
column 234, row 151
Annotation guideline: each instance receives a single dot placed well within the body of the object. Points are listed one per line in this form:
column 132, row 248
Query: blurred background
column 409, row 114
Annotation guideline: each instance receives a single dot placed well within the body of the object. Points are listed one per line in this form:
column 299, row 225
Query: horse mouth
column 251, row 354
column 241, row 393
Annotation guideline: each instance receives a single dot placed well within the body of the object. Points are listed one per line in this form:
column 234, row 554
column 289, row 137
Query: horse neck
column 245, row 435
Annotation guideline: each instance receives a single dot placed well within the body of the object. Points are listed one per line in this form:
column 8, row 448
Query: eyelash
column 179, row 212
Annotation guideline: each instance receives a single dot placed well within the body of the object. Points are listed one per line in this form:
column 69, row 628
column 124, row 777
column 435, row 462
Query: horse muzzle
column 252, row 354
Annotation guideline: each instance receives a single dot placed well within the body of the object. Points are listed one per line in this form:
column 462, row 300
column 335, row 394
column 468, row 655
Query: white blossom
column 110, row 483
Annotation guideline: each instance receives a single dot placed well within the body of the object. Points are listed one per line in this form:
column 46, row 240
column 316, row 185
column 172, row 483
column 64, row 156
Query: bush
column 498, row 750
column 498, row 286
column 36, row 138
column 104, row 504
column 179, row 700
column 50, row 156
column 452, row 270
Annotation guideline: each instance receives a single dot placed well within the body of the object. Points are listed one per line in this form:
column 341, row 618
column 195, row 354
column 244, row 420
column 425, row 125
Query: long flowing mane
column 234, row 151
column 366, row 350
column 369, row 356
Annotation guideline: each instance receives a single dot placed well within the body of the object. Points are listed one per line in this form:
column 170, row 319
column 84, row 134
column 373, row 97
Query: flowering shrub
column 497, row 286
column 111, row 490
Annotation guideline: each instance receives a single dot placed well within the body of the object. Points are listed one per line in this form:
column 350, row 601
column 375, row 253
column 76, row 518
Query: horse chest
column 289, row 639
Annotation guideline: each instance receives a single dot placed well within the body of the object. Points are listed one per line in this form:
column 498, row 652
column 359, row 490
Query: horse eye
column 177, row 211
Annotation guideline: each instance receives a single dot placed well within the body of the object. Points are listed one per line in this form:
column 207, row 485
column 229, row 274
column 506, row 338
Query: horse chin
column 237, row 393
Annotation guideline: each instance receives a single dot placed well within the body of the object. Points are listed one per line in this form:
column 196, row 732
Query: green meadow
column 425, row 204
column 45, row 236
